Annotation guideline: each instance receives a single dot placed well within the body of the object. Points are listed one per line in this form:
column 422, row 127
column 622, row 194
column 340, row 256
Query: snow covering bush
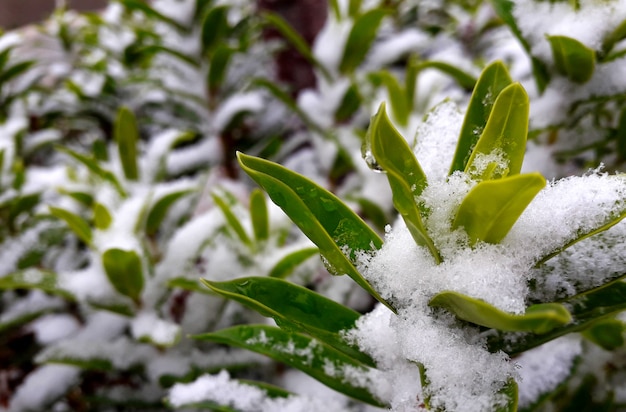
column 141, row 270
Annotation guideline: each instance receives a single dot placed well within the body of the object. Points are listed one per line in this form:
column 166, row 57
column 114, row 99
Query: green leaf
column 14, row 71
column 612, row 39
column 406, row 178
column 160, row 208
column 78, row 225
column 101, row 216
column 127, row 137
column 286, row 265
column 511, row 392
column 259, row 215
column 232, row 220
column 125, row 272
column 219, row 65
column 35, row 279
column 192, row 285
column 504, row 9
column 466, row 81
column 299, row 351
column 491, row 82
column 492, row 207
column 607, row 333
column 504, row 135
column 586, row 309
column 400, row 104
column 294, row 308
column 572, row 58
column 95, row 168
column 350, row 104
column 215, row 28
column 296, row 40
column 540, row 318
column 360, row 39
column 321, row 216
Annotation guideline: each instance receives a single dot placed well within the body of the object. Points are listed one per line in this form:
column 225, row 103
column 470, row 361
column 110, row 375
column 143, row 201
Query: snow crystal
column 543, row 368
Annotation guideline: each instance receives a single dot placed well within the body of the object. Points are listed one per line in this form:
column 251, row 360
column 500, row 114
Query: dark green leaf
column 491, row 82
column 612, row 39
column 504, row 135
column 214, row 28
column 219, row 65
column 572, row 58
column 286, row 265
column 540, row 318
column 259, row 215
column 294, row 308
column 323, row 217
column 125, row 272
column 350, row 104
column 406, row 178
column 607, row 333
column 296, row 40
column 78, row 225
column 95, row 168
column 299, row 351
column 360, row 39
column 159, row 210
column 492, row 207
column 14, row 71
column 127, row 137
column 400, row 105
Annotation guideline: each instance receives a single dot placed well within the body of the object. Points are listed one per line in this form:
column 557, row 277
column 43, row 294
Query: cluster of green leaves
column 487, row 213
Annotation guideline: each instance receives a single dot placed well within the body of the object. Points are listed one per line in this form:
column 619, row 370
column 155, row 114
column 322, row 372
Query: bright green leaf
column 101, row 216
column 492, row 207
column 232, row 219
column 321, row 216
column 491, row 82
column 78, row 225
column 360, row 39
column 125, row 272
column 259, row 215
column 294, row 308
column 299, row 351
column 286, row 265
column 192, row 285
column 540, row 318
column 407, row 180
column 504, row 136
column 510, row 392
column 572, row 58
column 127, row 137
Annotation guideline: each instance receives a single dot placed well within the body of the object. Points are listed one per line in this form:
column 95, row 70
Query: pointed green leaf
column 296, row 40
column 299, row 351
column 35, row 279
column 321, row 216
column 406, row 178
column 215, row 28
column 607, row 333
column 586, row 308
column 125, row 272
column 400, row 105
column 219, row 66
column 294, row 308
column 259, row 215
column 286, row 265
column 572, row 58
column 465, row 80
column 492, row 207
column 491, row 82
column 504, row 136
column 159, row 210
column 95, row 168
column 101, row 216
column 540, row 318
column 612, row 39
column 232, row 220
column 78, row 225
column 127, row 137
column 360, row 39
